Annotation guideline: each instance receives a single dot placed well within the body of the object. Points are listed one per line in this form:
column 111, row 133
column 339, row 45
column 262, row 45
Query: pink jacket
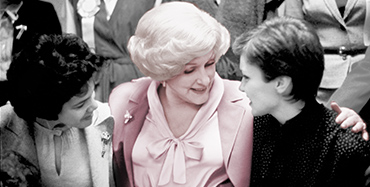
column 129, row 106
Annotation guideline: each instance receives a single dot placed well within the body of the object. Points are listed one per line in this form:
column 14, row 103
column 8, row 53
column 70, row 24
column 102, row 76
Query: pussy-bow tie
column 176, row 151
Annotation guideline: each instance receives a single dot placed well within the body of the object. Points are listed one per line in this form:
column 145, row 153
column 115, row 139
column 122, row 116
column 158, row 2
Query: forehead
column 244, row 62
column 249, row 68
column 82, row 96
column 210, row 55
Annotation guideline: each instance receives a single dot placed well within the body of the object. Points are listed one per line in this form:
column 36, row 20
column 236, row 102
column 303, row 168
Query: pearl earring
column 164, row 84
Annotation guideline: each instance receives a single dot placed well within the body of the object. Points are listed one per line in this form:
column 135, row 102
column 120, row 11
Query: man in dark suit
column 39, row 17
column 21, row 20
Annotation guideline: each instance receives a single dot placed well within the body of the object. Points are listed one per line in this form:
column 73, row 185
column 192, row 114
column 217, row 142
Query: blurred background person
column 106, row 26
column 340, row 26
column 239, row 16
column 355, row 90
column 355, row 93
column 65, row 13
column 20, row 21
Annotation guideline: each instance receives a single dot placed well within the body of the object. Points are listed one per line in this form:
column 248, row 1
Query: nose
column 94, row 104
column 241, row 87
column 204, row 77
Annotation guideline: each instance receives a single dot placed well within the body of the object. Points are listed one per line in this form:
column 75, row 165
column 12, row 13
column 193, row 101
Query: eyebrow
column 189, row 64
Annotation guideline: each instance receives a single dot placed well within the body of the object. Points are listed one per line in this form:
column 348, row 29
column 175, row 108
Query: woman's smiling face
column 193, row 84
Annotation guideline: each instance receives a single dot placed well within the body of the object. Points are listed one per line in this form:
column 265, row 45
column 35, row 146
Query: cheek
column 76, row 115
column 248, row 88
column 211, row 71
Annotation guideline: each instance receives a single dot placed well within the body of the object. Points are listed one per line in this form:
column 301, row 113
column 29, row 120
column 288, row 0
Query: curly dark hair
column 49, row 72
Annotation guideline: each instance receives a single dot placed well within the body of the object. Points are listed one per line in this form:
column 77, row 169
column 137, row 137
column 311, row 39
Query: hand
column 347, row 117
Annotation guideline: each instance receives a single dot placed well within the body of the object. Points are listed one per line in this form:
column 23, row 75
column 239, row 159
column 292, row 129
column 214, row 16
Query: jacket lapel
column 331, row 5
column 131, row 133
column 138, row 107
column 229, row 126
column 349, row 7
column 333, row 8
column 236, row 135
column 100, row 166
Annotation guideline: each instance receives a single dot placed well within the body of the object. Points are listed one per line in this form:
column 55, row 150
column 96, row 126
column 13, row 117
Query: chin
column 200, row 101
column 255, row 112
column 85, row 123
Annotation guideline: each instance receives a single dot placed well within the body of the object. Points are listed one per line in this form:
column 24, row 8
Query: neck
column 288, row 110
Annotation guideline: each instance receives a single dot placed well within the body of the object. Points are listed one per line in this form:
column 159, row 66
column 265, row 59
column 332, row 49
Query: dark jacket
column 39, row 17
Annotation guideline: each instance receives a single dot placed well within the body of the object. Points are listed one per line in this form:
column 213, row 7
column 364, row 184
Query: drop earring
column 164, row 84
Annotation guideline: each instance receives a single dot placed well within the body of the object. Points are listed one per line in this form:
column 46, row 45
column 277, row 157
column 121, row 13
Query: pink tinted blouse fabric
column 130, row 107
column 160, row 159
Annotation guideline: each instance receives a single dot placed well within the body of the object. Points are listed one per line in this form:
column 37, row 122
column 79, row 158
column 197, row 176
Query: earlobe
column 163, row 84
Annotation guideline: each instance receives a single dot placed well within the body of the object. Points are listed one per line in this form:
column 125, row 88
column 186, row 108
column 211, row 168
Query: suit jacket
column 39, row 17
column 129, row 106
column 334, row 31
column 17, row 136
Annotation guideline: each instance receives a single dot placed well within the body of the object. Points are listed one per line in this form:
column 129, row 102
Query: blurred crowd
column 106, row 26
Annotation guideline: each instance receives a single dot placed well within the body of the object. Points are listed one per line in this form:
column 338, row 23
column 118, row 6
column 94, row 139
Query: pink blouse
column 193, row 159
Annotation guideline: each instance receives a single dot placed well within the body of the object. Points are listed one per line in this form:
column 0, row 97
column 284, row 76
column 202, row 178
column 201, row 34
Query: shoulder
column 45, row 14
column 14, row 132
column 128, row 94
column 6, row 114
column 346, row 141
column 32, row 5
column 11, row 121
column 235, row 103
column 129, row 90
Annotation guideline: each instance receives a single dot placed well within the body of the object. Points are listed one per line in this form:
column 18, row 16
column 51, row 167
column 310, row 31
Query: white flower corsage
column 105, row 138
column 88, row 8
column 127, row 117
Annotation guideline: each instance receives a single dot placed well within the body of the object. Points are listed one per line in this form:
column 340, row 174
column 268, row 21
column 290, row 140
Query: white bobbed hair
column 171, row 35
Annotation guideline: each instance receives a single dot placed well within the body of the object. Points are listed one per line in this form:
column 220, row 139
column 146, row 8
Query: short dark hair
column 286, row 46
column 47, row 73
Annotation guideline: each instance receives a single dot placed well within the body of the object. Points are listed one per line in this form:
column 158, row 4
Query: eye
column 210, row 64
column 245, row 78
column 80, row 105
column 188, row 71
